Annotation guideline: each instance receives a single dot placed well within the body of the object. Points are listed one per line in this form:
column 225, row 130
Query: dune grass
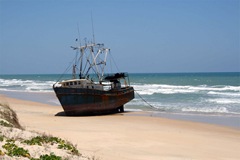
column 9, row 115
column 16, row 146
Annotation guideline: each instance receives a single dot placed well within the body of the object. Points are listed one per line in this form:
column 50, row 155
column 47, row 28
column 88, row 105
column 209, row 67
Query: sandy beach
column 122, row 136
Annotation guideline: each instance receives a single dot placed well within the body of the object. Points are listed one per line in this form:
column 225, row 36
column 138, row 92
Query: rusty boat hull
column 82, row 101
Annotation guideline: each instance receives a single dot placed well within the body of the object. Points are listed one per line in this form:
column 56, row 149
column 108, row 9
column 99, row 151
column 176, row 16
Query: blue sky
column 144, row 35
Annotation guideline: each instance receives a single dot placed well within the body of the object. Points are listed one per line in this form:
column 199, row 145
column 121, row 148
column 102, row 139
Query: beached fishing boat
column 94, row 91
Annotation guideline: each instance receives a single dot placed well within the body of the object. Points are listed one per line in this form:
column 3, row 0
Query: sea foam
column 25, row 85
column 224, row 101
column 196, row 93
column 150, row 89
column 228, row 94
column 206, row 109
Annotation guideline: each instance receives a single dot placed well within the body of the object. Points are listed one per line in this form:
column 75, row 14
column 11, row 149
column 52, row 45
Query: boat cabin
column 81, row 83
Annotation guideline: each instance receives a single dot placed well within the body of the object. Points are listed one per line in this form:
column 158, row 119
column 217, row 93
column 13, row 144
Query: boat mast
column 81, row 62
column 92, row 29
column 98, row 54
column 74, row 72
column 81, row 54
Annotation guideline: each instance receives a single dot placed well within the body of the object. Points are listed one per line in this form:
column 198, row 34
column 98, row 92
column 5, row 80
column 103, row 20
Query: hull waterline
column 79, row 101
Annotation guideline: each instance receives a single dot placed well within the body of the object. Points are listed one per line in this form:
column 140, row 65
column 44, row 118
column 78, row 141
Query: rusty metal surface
column 88, row 101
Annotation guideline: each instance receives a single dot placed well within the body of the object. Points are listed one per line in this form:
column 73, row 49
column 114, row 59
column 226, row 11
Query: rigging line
column 114, row 61
column 111, row 65
column 87, row 62
column 76, row 59
column 151, row 106
column 66, row 70
column 90, row 66
column 92, row 29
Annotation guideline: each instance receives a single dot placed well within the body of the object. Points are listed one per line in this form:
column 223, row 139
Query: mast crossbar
column 92, row 57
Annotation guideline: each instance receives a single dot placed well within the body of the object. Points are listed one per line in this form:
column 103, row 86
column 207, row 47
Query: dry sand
column 118, row 137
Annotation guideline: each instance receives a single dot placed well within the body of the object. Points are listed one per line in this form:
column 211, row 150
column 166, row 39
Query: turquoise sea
column 204, row 93
column 188, row 93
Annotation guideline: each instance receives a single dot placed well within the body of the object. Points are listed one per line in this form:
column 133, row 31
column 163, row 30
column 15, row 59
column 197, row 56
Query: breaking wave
column 201, row 98
column 224, row 101
column 25, row 85
column 169, row 96
column 150, row 89
column 206, row 110
column 228, row 94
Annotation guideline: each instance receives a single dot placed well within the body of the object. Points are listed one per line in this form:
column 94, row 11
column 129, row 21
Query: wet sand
column 120, row 136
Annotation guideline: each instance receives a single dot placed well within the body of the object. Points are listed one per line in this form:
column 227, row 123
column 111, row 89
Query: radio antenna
column 79, row 38
column 92, row 29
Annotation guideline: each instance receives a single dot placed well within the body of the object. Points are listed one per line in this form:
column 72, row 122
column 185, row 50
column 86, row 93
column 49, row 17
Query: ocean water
column 188, row 93
column 204, row 93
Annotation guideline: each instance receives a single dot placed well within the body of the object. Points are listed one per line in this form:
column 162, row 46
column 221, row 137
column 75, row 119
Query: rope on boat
column 66, row 70
column 149, row 105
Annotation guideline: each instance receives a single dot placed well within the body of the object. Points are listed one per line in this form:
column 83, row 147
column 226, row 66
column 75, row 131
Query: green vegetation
column 52, row 156
column 68, row 146
column 1, row 153
column 37, row 140
column 5, row 124
column 10, row 146
column 40, row 140
column 13, row 150
column 1, row 138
